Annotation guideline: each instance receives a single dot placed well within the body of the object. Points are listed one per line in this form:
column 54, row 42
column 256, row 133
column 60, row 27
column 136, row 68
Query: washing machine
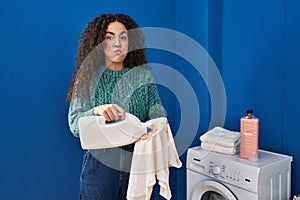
column 212, row 175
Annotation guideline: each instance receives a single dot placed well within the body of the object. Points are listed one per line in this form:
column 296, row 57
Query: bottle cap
column 249, row 111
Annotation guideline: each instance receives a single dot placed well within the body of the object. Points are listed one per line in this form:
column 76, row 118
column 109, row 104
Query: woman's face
column 115, row 43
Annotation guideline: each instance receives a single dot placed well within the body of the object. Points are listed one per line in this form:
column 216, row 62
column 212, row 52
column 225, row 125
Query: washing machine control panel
column 223, row 172
column 233, row 174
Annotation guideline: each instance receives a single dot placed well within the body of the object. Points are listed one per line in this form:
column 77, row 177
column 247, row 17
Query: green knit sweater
column 133, row 89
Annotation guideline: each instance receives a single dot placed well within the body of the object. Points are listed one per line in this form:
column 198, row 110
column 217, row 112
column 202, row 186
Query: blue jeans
column 105, row 173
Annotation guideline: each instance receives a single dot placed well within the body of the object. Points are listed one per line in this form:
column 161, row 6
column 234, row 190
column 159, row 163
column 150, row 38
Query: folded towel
column 221, row 137
column 220, row 149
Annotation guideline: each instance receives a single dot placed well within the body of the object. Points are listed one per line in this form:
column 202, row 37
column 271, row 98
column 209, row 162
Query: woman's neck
column 115, row 66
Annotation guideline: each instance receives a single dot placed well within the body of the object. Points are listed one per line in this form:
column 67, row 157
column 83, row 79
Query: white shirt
column 153, row 154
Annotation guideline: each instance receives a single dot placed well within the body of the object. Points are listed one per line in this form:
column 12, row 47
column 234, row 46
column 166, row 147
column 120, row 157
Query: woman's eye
column 108, row 38
column 124, row 38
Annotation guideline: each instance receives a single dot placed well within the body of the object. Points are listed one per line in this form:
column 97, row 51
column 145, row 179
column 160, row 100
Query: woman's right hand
column 110, row 112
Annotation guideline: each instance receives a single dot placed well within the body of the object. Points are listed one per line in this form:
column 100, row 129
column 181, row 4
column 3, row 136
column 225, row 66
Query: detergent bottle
column 96, row 133
column 249, row 136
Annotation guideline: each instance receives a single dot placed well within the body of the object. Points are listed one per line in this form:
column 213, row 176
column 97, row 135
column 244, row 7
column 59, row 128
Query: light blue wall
column 255, row 45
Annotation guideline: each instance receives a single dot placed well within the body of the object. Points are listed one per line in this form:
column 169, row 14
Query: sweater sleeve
column 78, row 108
column 156, row 108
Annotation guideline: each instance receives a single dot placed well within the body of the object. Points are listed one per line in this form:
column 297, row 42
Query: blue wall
column 260, row 69
column 255, row 45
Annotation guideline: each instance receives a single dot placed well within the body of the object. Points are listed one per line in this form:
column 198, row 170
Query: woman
column 111, row 79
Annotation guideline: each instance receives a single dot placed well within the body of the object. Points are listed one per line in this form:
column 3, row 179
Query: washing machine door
column 211, row 190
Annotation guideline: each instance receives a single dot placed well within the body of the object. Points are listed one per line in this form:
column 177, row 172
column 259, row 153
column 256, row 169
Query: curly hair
column 91, row 39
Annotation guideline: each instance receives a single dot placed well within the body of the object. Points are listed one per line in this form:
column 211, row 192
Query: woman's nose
column 117, row 42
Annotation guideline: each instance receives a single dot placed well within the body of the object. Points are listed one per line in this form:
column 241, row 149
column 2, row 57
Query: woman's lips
column 118, row 51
